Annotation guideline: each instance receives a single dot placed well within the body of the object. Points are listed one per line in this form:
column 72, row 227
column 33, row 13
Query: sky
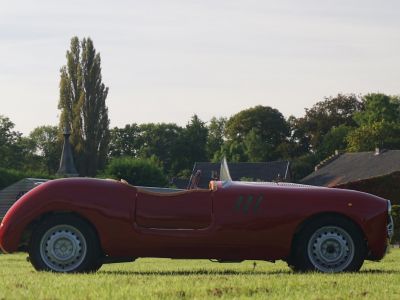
column 164, row 61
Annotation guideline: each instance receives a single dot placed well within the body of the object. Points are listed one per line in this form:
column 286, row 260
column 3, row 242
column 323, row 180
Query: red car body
column 231, row 221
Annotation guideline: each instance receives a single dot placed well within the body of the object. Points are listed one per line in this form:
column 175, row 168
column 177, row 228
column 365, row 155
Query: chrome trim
column 390, row 225
column 390, row 228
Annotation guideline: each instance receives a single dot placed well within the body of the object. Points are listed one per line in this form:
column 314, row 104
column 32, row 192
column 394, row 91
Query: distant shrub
column 303, row 166
column 10, row 176
column 396, row 220
column 144, row 172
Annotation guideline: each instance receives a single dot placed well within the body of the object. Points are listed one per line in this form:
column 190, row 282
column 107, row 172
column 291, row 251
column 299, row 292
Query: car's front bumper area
column 2, row 229
column 9, row 237
column 390, row 226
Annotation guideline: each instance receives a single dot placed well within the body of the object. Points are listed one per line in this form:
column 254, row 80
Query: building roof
column 262, row 171
column 350, row 167
column 12, row 193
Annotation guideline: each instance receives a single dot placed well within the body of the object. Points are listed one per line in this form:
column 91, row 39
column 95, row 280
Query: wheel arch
column 30, row 228
column 313, row 218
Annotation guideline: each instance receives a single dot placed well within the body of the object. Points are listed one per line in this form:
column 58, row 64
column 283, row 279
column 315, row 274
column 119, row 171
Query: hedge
column 10, row 176
column 144, row 172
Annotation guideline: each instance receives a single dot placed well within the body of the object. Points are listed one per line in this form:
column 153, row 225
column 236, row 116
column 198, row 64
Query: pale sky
column 165, row 60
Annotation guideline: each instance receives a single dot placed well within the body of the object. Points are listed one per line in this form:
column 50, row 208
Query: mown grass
column 199, row 279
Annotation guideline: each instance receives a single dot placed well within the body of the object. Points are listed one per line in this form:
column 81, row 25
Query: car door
column 178, row 210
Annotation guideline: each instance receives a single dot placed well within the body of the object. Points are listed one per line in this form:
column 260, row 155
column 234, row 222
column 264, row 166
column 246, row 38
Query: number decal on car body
column 245, row 205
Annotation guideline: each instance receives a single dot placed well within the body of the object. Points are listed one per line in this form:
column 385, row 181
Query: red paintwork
column 194, row 210
column 196, row 223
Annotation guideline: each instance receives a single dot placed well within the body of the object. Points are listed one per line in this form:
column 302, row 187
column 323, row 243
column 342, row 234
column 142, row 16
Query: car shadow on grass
column 197, row 272
column 372, row 271
column 232, row 272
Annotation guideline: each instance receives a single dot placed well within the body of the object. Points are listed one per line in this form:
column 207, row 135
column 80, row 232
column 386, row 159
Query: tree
column 269, row 122
column 378, row 134
column 7, row 138
column 83, row 106
column 299, row 142
column 335, row 139
column 261, row 124
column 165, row 142
column 379, row 124
column 215, row 138
column 12, row 152
column 194, row 142
column 331, row 112
column 16, row 151
column 47, row 145
column 304, row 165
column 378, row 108
column 234, row 151
column 125, row 141
column 256, row 149
column 177, row 148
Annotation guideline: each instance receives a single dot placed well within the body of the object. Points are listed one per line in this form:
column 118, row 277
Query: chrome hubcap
column 63, row 248
column 330, row 249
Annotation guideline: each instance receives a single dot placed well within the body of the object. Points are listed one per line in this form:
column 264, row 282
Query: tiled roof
column 12, row 193
column 350, row 167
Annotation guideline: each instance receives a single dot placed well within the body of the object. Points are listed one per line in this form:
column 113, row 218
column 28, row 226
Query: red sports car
column 76, row 225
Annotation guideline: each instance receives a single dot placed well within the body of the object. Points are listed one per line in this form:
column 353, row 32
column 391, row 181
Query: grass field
column 199, row 279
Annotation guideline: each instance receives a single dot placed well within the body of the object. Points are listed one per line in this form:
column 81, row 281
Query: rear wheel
column 330, row 245
column 65, row 243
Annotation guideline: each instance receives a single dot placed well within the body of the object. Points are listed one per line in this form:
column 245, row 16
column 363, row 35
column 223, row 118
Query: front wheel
column 329, row 245
column 65, row 243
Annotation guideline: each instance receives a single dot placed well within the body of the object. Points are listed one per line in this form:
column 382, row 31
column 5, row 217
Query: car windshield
column 224, row 174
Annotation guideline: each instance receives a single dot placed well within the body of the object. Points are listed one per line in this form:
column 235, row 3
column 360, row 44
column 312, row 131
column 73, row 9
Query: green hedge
column 144, row 172
column 9, row 176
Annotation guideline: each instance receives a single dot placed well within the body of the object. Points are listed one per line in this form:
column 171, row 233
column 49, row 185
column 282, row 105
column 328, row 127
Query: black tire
column 65, row 243
column 329, row 244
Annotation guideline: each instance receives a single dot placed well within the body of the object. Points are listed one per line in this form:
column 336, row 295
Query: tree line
column 345, row 122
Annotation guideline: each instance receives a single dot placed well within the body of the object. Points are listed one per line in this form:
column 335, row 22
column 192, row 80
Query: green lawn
column 199, row 279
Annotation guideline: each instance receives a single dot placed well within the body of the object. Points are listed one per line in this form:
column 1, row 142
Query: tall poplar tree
column 83, row 106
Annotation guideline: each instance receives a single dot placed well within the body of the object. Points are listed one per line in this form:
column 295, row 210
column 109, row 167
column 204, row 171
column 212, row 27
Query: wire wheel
column 330, row 249
column 63, row 248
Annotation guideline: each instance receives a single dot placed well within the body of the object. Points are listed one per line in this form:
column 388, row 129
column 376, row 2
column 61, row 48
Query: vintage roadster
column 77, row 224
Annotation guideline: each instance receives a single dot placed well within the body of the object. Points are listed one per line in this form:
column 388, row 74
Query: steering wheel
column 194, row 180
